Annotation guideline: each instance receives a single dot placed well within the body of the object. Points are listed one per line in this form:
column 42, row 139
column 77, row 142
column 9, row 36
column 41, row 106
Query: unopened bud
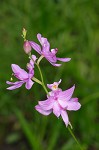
column 27, row 47
column 24, row 31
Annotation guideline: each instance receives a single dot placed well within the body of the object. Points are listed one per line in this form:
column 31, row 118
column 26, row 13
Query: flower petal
column 41, row 39
column 47, row 104
column 50, row 86
column 29, row 84
column 64, row 59
column 10, row 83
column 56, row 65
column 35, row 46
column 40, row 110
column 56, row 109
column 15, row 85
column 74, row 99
column 65, row 117
column 19, row 73
column 59, row 81
column 44, row 42
column 66, row 95
column 30, row 65
column 54, row 51
column 34, row 57
column 50, row 57
column 73, row 104
column 63, row 103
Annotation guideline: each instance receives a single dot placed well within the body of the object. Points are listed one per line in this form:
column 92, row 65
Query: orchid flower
column 59, row 102
column 45, row 51
column 22, row 75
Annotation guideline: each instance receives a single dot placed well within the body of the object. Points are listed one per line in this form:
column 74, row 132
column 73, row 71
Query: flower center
column 54, row 87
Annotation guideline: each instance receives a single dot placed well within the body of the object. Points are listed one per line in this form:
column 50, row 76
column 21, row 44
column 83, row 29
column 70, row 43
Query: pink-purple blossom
column 59, row 102
column 45, row 51
column 22, row 75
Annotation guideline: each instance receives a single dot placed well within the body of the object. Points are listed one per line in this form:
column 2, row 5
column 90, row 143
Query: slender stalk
column 75, row 138
column 41, row 57
column 43, row 85
column 36, row 80
column 37, row 64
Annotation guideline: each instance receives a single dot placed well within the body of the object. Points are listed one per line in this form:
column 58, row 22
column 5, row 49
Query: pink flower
column 59, row 102
column 22, row 75
column 45, row 51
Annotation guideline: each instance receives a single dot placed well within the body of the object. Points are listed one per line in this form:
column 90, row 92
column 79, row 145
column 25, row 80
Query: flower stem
column 75, row 138
column 43, row 84
column 37, row 64
column 40, row 58
column 36, row 80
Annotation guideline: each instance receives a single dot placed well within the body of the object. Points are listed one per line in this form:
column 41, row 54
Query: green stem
column 37, row 64
column 43, row 84
column 41, row 57
column 36, row 80
column 75, row 138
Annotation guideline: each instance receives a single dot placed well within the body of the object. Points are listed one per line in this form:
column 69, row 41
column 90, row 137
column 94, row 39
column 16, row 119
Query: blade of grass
column 32, row 138
column 54, row 137
column 90, row 98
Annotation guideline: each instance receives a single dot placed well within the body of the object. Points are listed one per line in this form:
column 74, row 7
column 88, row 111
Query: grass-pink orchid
column 59, row 102
column 45, row 51
column 22, row 75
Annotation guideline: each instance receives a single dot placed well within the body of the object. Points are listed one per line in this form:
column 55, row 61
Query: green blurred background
column 73, row 27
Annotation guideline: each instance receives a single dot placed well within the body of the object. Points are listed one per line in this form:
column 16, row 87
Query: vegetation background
column 73, row 27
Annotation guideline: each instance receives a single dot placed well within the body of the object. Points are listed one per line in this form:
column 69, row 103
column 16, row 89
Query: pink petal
column 44, row 42
column 63, row 103
column 64, row 59
column 55, row 83
column 52, row 93
column 30, row 65
column 44, row 112
column 50, row 57
column 19, row 73
column 73, row 104
column 46, row 48
column 74, row 99
column 35, row 46
column 56, row 109
column 66, row 95
column 10, row 83
column 49, row 86
column 65, row 117
column 46, row 104
column 59, row 81
column 56, row 65
column 15, row 85
column 54, row 51
column 39, row 37
column 29, row 84
column 34, row 58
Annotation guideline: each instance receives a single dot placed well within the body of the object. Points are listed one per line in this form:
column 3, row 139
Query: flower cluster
column 58, row 101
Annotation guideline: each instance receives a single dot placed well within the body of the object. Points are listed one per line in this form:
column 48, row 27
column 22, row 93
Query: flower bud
column 27, row 47
column 24, row 31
